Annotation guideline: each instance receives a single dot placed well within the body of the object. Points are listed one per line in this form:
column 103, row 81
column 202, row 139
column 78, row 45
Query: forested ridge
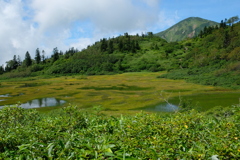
column 211, row 58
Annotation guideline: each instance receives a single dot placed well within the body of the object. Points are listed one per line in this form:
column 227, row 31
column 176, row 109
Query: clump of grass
column 121, row 87
column 82, row 77
column 36, row 84
column 61, row 88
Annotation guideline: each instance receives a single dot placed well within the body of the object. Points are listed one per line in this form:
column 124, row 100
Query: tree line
column 125, row 43
column 39, row 59
column 223, row 24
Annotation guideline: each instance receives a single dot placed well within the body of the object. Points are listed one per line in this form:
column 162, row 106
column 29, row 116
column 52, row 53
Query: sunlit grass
column 117, row 93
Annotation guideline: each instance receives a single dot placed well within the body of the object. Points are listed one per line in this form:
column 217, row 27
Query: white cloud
column 13, row 30
column 106, row 15
column 167, row 19
column 46, row 24
column 83, row 42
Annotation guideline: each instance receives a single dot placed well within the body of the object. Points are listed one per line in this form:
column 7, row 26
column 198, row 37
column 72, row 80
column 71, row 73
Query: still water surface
column 200, row 102
column 42, row 102
column 164, row 107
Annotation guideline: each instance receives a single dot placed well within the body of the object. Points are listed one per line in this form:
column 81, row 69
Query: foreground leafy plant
column 71, row 133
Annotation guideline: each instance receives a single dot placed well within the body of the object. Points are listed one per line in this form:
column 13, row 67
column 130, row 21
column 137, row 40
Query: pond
column 42, row 102
column 201, row 102
column 164, row 107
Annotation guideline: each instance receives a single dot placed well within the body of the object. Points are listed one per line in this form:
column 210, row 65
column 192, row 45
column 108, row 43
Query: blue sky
column 215, row 10
column 45, row 24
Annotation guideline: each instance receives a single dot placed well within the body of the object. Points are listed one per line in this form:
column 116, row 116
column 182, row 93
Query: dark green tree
column 126, row 35
column 133, row 47
column 15, row 62
column 110, row 47
column 127, row 44
column 28, row 60
column 19, row 61
column 150, row 34
column 156, row 47
column 201, row 34
column 43, row 56
column 60, row 53
column 120, row 46
column 226, row 41
column 104, row 45
column 12, row 64
column 223, row 24
column 137, row 46
column 55, row 55
column 1, row 70
column 37, row 56
column 232, row 20
column 118, row 65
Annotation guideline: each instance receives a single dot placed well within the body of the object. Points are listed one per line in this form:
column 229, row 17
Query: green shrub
column 70, row 133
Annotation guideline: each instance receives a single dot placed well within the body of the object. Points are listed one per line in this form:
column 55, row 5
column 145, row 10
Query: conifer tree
column 28, row 60
column 38, row 56
column 103, row 45
column 55, row 55
column 14, row 62
column 120, row 45
column 19, row 61
column 137, row 46
column 226, row 39
column 133, row 47
column 110, row 47
column 1, row 70
column 128, row 44
column 43, row 56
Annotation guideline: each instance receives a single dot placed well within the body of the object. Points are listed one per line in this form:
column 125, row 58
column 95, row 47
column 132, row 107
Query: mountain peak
column 186, row 28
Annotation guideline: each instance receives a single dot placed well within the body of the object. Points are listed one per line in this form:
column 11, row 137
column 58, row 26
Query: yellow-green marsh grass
column 121, row 93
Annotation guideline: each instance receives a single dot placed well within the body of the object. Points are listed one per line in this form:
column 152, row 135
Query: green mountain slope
column 187, row 28
column 212, row 58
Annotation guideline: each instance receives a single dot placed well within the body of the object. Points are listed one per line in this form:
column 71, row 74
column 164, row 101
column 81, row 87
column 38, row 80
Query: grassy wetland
column 102, row 120
column 116, row 94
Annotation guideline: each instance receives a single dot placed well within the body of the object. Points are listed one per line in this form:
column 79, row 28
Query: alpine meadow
column 169, row 95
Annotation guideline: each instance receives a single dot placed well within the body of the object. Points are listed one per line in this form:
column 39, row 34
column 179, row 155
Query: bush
column 70, row 133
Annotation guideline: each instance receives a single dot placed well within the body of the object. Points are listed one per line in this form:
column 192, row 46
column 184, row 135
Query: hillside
column 187, row 28
column 212, row 58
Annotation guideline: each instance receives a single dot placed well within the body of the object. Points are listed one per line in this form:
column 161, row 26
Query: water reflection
column 5, row 95
column 201, row 102
column 165, row 107
column 42, row 102
column 9, row 95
